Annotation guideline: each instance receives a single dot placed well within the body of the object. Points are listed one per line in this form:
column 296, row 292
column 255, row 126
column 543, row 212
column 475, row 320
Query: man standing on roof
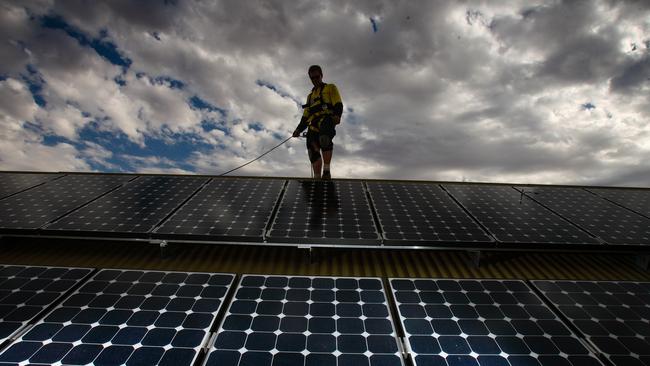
column 321, row 114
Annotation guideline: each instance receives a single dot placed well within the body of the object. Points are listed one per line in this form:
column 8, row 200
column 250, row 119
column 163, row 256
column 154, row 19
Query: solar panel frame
column 637, row 200
column 89, row 331
column 423, row 214
column 614, row 225
column 220, row 207
column 28, row 211
column 296, row 315
column 335, row 212
column 132, row 211
column 486, row 321
column 515, row 219
column 613, row 316
column 43, row 286
column 16, row 182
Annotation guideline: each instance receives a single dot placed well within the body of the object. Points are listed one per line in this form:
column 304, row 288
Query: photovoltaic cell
column 127, row 317
column 416, row 213
column 226, row 209
column 11, row 183
column 614, row 316
column 514, row 218
column 329, row 212
column 26, row 291
column 38, row 206
column 483, row 322
column 135, row 208
column 634, row 199
column 613, row 224
column 307, row 321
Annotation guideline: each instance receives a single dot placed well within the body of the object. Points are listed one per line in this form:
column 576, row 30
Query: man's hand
column 296, row 133
column 337, row 120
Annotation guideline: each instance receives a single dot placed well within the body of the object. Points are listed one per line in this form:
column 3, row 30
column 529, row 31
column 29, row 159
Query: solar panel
column 614, row 316
column 634, row 199
column 330, row 212
column 417, row 213
column 11, row 183
column 134, row 209
column 613, row 224
column 127, row 317
column 38, row 206
column 306, row 321
column 226, row 209
column 26, row 291
column 483, row 322
column 514, row 218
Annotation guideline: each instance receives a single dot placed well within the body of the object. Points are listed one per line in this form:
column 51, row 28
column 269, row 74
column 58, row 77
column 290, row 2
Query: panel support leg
column 643, row 261
column 475, row 257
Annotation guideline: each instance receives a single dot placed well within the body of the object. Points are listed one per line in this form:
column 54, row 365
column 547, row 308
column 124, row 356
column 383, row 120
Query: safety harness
column 317, row 108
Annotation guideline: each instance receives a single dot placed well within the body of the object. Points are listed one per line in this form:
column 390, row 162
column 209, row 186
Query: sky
column 548, row 92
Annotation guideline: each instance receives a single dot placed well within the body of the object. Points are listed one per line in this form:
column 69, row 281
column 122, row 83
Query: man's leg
column 316, row 166
column 315, row 158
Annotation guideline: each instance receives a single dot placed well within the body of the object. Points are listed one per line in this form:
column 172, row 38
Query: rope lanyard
column 257, row 158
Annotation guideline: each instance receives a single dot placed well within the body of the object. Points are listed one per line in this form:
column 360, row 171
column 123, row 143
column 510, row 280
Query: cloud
column 480, row 91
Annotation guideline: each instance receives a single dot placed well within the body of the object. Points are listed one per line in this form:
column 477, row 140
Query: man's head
column 315, row 74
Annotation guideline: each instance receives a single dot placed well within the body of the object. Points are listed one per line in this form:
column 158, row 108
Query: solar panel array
column 634, row 199
column 614, row 316
column 324, row 212
column 11, row 183
column 127, row 317
column 422, row 213
column 613, row 224
column 135, row 208
column 36, row 207
column 514, row 218
column 483, row 322
column 25, row 292
column 226, row 209
column 279, row 320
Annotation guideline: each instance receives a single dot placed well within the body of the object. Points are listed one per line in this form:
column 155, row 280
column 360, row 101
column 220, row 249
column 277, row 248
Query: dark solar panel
column 127, row 317
column 307, row 321
column 327, row 212
column 11, row 183
column 514, row 218
column 36, row 207
column 415, row 213
column 634, row 199
column 483, row 322
column 613, row 224
column 226, row 209
column 614, row 316
column 135, row 208
column 26, row 291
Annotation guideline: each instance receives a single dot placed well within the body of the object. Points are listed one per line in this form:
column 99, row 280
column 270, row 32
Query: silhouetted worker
column 321, row 114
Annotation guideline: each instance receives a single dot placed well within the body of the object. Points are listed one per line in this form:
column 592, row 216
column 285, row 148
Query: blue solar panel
column 38, row 206
column 11, row 183
column 307, row 321
column 614, row 224
column 135, row 208
column 613, row 315
column 483, row 322
column 127, row 317
column 421, row 214
column 225, row 209
column 26, row 291
column 324, row 212
column 515, row 218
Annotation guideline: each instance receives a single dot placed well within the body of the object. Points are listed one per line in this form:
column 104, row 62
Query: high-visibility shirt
column 321, row 102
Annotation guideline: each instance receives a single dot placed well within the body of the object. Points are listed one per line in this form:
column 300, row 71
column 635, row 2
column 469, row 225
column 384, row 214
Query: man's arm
column 337, row 103
column 301, row 126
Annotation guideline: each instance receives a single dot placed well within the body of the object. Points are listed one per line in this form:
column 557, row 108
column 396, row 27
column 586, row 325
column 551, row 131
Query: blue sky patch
column 35, row 83
column 587, row 106
column 169, row 81
column 374, row 24
column 104, row 48
column 280, row 92
column 198, row 103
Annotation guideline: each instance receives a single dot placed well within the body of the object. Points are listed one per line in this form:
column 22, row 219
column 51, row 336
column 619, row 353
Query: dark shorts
column 313, row 137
